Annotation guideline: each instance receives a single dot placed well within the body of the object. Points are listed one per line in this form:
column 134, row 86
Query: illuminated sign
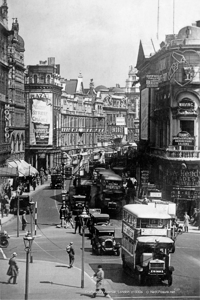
column 41, row 119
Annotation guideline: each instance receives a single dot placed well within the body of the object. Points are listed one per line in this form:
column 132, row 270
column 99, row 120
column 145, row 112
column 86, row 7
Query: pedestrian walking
column 13, row 269
column 186, row 222
column 34, row 183
column 71, row 252
column 7, row 208
column 70, row 220
column 24, row 221
column 77, row 220
column 99, row 276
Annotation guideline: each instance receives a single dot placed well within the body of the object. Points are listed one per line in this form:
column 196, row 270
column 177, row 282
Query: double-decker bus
column 147, row 241
column 110, row 191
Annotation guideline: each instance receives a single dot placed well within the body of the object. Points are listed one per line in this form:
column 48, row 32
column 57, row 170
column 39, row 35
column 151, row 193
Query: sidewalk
column 31, row 194
column 47, row 280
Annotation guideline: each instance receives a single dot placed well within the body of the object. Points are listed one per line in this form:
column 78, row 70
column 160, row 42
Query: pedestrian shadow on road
column 4, row 282
column 61, row 284
column 88, row 295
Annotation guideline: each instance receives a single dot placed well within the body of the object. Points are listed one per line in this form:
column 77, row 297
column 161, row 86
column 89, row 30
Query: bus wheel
column 170, row 280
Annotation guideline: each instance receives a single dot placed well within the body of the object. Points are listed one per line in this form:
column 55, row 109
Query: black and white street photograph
column 99, row 149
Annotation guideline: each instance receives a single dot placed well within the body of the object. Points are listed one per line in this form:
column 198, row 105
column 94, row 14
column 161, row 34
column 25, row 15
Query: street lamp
column 85, row 218
column 31, row 203
column 28, row 240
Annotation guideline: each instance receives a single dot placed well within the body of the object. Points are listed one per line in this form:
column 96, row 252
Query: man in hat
column 71, row 252
column 99, row 275
column 13, row 269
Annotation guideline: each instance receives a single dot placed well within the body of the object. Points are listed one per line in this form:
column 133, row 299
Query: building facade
column 5, row 147
column 12, row 104
column 43, row 90
column 170, row 117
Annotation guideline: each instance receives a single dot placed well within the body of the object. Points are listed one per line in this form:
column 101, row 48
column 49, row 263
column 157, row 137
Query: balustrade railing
column 176, row 153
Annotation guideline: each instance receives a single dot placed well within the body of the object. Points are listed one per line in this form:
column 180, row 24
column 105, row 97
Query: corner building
column 170, row 117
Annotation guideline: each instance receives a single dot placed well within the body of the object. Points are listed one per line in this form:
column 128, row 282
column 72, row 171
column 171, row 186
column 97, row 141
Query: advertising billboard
column 144, row 113
column 41, row 118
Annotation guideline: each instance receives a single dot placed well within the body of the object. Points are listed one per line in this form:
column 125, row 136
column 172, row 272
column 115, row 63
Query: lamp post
column 85, row 218
column 28, row 240
column 32, row 203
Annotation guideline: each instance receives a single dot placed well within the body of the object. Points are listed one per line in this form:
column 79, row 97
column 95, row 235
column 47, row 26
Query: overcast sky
column 99, row 38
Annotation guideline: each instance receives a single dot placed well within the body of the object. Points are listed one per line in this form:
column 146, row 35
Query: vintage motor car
column 56, row 181
column 79, row 202
column 4, row 239
column 103, row 240
column 97, row 218
column 24, row 204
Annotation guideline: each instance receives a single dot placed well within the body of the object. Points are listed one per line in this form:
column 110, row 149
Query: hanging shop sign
column 183, row 138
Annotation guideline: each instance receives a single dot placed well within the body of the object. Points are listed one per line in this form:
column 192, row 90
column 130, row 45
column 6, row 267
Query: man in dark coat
column 13, row 269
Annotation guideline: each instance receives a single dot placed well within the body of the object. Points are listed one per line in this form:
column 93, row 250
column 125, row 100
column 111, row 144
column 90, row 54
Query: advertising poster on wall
column 40, row 119
column 144, row 113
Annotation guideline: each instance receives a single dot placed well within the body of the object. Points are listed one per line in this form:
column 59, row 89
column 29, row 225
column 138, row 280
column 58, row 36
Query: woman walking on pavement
column 71, row 252
column 13, row 269
column 99, row 275
column 186, row 221
column 24, row 221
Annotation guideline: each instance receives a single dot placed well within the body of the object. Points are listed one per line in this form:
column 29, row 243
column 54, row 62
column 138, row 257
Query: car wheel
column 4, row 242
column 170, row 280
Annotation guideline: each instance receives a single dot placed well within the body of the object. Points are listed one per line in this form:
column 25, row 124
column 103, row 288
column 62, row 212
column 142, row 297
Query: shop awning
column 8, row 172
column 24, row 169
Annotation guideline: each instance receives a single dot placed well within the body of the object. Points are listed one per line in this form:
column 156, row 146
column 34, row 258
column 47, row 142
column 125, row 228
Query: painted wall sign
column 41, row 130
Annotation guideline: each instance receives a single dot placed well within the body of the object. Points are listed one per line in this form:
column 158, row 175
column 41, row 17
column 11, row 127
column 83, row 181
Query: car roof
column 79, row 196
column 104, row 228
column 154, row 239
column 97, row 215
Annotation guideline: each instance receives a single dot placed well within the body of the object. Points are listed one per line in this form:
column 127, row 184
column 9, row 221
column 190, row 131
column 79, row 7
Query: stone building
column 43, row 90
column 170, row 117
column 5, row 147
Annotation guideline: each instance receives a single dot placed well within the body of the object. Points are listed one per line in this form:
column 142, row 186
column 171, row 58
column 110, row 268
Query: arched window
column 17, row 144
column 22, row 143
column 48, row 78
column 35, row 78
column 12, row 144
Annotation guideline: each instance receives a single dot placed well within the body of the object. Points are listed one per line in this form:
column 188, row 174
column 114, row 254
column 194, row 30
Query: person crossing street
column 99, row 276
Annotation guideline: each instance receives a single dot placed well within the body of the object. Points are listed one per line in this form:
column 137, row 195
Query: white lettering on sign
column 129, row 231
column 7, row 120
